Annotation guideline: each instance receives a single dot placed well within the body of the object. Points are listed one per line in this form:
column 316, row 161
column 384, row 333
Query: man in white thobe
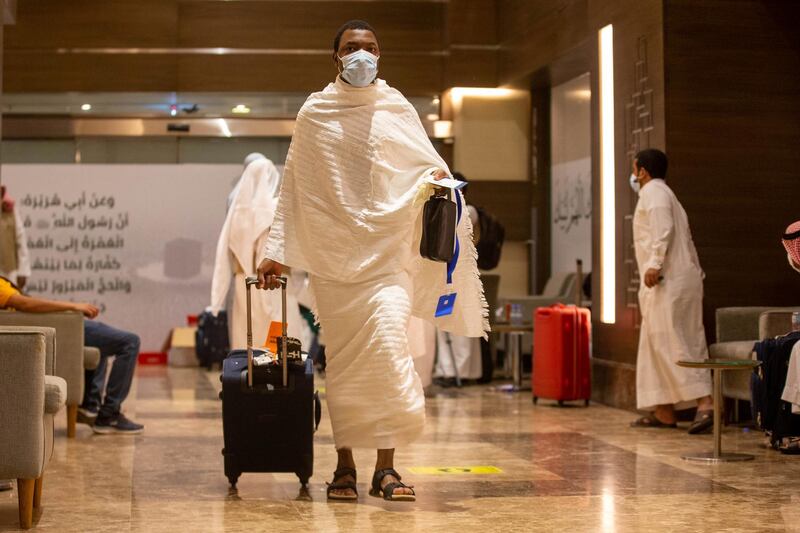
column 357, row 174
column 791, row 391
column 15, row 263
column 671, row 303
column 250, row 213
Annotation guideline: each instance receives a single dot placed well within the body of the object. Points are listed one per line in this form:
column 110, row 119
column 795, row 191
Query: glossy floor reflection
column 554, row 469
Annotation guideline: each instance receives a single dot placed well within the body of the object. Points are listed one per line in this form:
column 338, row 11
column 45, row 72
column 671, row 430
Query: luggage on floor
column 211, row 339
column 772, row 414
column 561, row 366
column 269, row 411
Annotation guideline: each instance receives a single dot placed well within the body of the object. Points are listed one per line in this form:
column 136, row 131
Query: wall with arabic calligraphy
column 571, row 175
column 137, row 240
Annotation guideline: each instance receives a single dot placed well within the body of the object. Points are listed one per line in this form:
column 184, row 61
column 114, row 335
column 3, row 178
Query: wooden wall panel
column 533, row 34
column 281, row 24
column 472, row 22
column 542, row 43
column 509, row 201
column 45, row 72
column 304, row 73
column 412, row 36
column 638, row 67
column 733, row 127
column 51, row 24
column 471, row 68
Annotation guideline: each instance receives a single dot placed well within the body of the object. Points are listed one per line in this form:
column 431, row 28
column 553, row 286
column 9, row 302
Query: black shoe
column 703, row 422
column 116, row 424
column 87, row 415
column 445, row 383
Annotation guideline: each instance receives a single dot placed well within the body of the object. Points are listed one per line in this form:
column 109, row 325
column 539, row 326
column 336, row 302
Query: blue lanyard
column 451, row 265
column 447, row 301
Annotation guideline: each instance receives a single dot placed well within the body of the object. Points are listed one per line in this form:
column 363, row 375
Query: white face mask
column 635, row 184
column 360, row 68
column 796, row 268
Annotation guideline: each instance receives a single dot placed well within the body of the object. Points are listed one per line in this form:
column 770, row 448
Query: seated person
column 110, row 341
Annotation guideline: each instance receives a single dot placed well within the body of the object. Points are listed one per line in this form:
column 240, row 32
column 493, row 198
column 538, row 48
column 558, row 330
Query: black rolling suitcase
column 269, row 413
column 211, row 339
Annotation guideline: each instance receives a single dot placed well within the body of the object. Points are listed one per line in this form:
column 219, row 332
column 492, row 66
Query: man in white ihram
column 251, row 209
column 349, row 214
column 671, row 302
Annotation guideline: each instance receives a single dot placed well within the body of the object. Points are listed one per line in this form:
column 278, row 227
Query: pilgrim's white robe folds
column 241, row 241
column 672, row 311
column 349, row 215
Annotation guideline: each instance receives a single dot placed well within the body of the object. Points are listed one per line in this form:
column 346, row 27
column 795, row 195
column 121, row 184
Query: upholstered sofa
column 72, row 358
column 738, row 329
column 29, row 398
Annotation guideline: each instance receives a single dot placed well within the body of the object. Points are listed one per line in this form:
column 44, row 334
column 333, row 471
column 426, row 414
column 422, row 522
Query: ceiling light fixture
column 86, row 107
column 241, row 109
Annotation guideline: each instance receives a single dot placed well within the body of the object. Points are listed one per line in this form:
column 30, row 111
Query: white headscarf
column 248, row 220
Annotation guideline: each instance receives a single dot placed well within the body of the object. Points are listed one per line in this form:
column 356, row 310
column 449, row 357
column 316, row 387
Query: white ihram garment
column 23, row 255
column 347, row 215
column 456, row 352
column 422, row 343
column 241, row 240
column 672, row 311
column 791, row 391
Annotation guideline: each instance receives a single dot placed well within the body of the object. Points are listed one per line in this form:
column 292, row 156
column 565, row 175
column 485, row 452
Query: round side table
column 718, row 366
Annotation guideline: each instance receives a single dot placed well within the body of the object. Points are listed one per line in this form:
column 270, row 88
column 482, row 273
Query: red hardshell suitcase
column 561, row 340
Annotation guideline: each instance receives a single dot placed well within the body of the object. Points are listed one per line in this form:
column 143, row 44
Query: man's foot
column 6, row 484
column 445, row 383
column 652, row 421
column 87, row 415
column 386, row 484
column 343, row 486
column 703, row 422
column 116, row 424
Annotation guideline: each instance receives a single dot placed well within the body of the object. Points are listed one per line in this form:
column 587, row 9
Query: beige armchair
column 738, row 329
column 29, row 397
column 71, row 357
column 560, row 288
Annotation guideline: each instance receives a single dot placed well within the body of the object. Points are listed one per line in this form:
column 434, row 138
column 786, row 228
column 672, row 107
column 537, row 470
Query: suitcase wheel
column 586, row 402
column 535, row 400
column 233, row 480
column 561, row 403
column 220, row 395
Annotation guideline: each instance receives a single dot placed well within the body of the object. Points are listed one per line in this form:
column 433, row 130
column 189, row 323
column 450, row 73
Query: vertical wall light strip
column 608, row 244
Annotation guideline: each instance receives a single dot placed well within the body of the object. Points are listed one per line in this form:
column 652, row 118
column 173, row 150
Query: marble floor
column 489, row 461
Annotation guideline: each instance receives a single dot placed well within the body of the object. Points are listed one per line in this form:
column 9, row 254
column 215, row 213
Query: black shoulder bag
column 439, row 218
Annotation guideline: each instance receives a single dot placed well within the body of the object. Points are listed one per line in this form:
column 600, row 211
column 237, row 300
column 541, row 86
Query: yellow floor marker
column 442, row 470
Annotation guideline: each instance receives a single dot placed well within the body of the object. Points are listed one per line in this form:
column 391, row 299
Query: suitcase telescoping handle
column 250, row 281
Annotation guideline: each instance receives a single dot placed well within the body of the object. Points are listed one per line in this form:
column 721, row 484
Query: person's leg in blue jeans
column 95, row 382
column 125, row 347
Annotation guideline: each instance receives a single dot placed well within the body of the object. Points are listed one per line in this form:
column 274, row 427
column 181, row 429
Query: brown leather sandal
column 650, row 421
column 387, row 492
column 340, row 485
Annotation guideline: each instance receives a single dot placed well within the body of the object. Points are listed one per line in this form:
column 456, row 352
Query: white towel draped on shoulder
column 349, row 213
